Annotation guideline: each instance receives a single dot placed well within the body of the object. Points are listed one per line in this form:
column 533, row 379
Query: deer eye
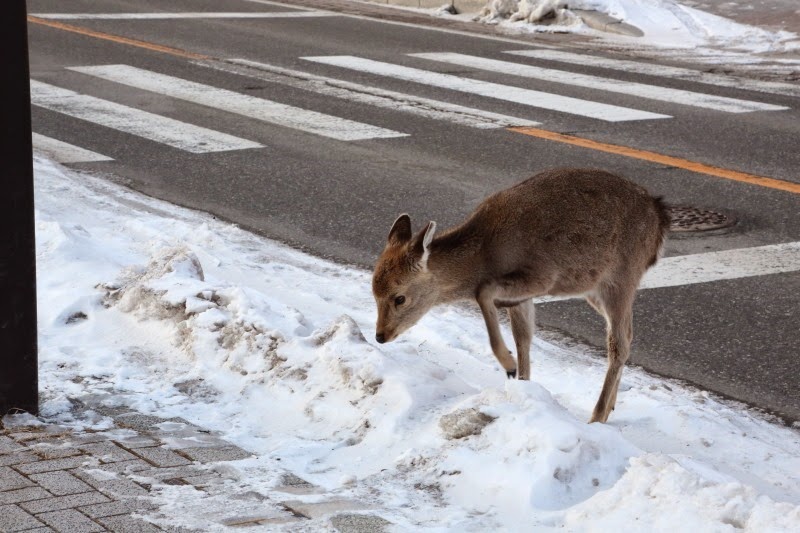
column 399, row 300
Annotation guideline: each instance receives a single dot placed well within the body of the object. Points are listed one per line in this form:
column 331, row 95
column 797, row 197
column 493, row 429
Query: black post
column 19, row 387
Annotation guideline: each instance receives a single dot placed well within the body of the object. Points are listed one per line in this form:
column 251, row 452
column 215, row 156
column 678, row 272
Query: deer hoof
column 512, row 374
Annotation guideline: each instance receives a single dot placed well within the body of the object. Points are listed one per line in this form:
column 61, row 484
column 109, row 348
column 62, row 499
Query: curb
column 461, row 6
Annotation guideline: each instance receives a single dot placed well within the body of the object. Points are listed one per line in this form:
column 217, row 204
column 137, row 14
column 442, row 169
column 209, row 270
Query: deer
column 562, row 232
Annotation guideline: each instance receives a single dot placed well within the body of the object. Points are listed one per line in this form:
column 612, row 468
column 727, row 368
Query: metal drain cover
column 685, row 219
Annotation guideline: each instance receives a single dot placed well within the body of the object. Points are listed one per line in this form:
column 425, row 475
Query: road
column 317, row 128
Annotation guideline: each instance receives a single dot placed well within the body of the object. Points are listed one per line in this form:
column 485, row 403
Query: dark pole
column 19, row 388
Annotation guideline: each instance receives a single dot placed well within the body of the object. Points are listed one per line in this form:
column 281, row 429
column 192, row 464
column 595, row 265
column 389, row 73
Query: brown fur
column 561, row 232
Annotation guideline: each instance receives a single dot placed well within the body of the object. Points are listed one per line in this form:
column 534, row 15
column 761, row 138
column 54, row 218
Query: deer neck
column 455, row 262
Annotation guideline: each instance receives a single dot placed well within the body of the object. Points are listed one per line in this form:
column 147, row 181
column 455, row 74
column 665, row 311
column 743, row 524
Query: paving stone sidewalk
column 53, row 478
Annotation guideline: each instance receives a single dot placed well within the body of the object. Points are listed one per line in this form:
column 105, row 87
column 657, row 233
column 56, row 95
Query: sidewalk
column 767, row 14
column 53, row 478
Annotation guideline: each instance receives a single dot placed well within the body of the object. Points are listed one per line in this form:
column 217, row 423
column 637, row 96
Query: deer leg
column 486, row 297
column 594, row 301
column 522, row 326
column 628, row 340
column 618, row 305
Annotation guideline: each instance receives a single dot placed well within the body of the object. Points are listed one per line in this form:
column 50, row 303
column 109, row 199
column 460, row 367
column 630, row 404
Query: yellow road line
column 535, row 132
column 662, row 159
column 117, row 39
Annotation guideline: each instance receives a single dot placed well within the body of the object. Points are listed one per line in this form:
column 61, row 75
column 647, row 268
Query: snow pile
column 533, row 11
column 665, row 23
column 172, row 313
column 536, row 15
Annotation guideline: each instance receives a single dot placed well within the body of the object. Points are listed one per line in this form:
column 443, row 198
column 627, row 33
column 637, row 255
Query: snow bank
column 173, row 313
column 665, row 23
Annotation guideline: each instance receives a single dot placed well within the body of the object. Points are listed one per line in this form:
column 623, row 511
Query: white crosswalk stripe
column 364, row 94
column 189, row 15
column 508, row 93
column 653, row 92
column 62, row 152
column 135, row 121
column 246, row 105
column 650, row 69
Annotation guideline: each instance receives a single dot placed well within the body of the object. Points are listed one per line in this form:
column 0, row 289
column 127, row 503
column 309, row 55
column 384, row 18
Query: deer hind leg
column 522, row 326
column 594, row 301
column 617, row 302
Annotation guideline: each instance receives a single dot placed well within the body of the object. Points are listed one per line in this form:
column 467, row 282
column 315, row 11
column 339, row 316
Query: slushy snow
column 173, row 313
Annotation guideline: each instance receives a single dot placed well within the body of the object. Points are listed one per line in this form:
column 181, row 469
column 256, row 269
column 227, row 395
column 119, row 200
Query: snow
column 664, row 22
column 173, row 313
column 672, row 24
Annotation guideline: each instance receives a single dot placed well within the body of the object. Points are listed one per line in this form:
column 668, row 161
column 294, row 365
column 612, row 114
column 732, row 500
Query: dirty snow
column 665, row 23
column 138, row 298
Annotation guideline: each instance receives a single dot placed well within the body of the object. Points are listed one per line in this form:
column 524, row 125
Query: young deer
column 562, row 232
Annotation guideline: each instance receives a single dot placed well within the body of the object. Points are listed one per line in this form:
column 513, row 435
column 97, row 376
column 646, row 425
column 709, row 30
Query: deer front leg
column 486, row 297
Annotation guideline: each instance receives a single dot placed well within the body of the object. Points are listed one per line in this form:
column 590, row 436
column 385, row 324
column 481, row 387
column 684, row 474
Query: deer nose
column 380, row 337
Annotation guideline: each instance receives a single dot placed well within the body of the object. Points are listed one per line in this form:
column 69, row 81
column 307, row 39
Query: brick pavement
column 56, row 479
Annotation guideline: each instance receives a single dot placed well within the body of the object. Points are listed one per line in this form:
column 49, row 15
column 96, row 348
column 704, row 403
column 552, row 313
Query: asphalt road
column 337, row 198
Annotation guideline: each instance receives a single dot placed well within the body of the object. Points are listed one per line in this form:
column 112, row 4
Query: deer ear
column 420, row 247
column 401, row 230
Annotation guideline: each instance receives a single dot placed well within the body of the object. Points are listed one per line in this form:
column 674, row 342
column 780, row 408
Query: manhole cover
column 686, row 219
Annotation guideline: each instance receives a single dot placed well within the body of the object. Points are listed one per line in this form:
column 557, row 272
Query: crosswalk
column 240, row 104
column 525, row 67
column 62, row 152
column 373, row 96
column 517, row 95
column 661, row 71
column 137, row 122
column 653, row 92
